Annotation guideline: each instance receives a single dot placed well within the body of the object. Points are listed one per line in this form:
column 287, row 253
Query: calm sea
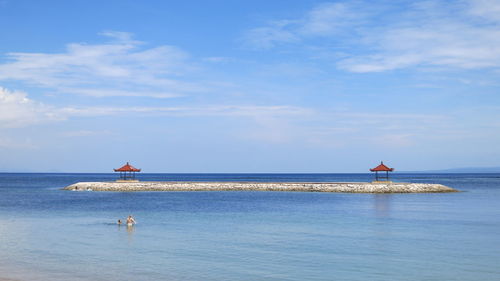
column 50, row 234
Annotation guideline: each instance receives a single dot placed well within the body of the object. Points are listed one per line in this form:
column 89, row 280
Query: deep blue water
column 50, row 234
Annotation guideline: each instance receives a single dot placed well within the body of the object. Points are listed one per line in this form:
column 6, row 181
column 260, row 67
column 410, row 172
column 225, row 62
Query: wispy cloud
column 9, row 143
column 268, row 36
column 343, row 129
column 84, row 133
column 323, row 20
column 489, row 9
column 17, row 110
column 207, row 110
column 374, row 37
column 463, row 36
column 120, row 67
column 331, row 18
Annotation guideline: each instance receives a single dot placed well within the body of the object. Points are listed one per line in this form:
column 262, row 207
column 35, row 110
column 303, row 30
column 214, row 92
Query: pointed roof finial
column 382, row 168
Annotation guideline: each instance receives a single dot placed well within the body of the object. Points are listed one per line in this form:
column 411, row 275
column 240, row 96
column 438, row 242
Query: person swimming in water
column 130, row 221
column 119, row 222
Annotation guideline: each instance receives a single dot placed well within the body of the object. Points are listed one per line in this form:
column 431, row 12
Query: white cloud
column 326, row 19
column 438, row 43
column 378, row 37
column 119, row 67
column 17, row 110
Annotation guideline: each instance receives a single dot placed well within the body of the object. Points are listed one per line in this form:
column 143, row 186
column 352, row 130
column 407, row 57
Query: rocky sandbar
column 349, row 187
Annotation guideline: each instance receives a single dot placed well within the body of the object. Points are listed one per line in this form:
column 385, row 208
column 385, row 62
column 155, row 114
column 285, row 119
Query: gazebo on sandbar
column 127, row 172
column 382, row 168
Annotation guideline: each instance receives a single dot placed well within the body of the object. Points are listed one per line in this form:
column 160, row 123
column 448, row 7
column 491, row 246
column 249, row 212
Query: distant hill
column 463, row 170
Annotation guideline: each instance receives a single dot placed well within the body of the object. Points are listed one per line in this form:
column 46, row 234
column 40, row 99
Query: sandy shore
column 350, row 187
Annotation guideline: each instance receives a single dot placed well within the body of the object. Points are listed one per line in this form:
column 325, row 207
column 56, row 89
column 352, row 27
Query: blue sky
column 249, row 86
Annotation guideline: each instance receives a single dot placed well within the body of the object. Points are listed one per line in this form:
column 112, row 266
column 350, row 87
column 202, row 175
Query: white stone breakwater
column 348, row 187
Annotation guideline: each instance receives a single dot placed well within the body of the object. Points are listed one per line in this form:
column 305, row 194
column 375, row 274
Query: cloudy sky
column 249, row 86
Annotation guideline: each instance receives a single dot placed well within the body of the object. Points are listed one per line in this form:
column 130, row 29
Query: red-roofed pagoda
column 127, row 172
column 382, row 168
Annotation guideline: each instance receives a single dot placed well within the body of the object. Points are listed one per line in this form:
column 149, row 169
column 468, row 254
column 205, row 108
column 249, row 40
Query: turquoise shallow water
column 50, row 234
